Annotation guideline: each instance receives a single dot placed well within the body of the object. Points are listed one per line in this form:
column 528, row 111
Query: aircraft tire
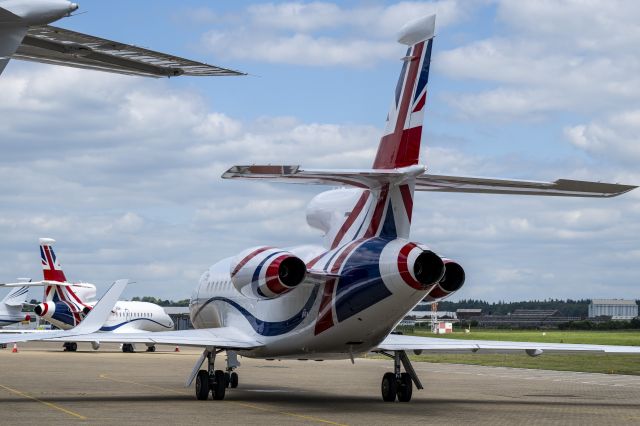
column 405, row 388
column 202, row 385
column 233, row 380
column 389, row 387
column 219, row 385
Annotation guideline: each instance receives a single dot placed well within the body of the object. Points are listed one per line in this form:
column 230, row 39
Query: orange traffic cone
column 177, row 349
column 15, row 348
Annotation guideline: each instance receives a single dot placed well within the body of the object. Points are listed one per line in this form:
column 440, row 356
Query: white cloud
column 322, row 33
column 554, row 56
column 576, row 24
column 616, row 137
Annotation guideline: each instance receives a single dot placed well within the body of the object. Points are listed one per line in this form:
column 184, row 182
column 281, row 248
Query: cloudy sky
column 124, row 172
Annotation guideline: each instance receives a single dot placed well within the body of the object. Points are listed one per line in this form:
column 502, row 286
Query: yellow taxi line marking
column 48, row 404
column 242, row 404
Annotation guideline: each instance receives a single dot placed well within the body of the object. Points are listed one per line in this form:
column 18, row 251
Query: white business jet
column 25, row 34
column 346, row 298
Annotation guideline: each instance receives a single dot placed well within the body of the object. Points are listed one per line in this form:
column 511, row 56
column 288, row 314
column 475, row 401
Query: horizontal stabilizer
column 39, row 284
column 360, row 178
column 561, row 187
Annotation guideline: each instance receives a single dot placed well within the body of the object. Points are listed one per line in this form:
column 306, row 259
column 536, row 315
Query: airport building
column 180, row 316
column 617, row 309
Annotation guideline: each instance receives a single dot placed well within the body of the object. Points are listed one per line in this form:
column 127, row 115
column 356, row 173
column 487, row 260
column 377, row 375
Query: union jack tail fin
column 51, row 269
column 400, row 144
column 382, row 203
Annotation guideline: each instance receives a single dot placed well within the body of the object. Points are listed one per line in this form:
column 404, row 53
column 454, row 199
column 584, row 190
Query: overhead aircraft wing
column 561, row 187
column 222, row 337
column 90, row 324
column 396, row 342
column 11, row 35
column 58, row 46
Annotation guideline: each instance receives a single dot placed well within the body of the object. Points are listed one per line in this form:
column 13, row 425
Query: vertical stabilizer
column 400, row 144
column 51, row 269
column 16, row 298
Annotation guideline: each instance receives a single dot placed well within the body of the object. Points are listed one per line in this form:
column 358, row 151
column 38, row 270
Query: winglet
column 100, row 312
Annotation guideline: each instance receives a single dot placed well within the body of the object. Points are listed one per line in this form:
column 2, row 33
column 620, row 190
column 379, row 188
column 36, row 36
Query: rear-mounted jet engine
column 267, row 272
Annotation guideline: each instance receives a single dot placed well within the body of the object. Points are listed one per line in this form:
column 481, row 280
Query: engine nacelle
column 57, row 311
column 452, row 281
column 417, row 266
column 266, row 272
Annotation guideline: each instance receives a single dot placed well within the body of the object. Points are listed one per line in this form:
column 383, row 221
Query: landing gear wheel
column 233, row 380
column 227, row 379
column 219, row 385
column 151, row 349
column 202, row 385
column 389, row 387
column 127, row 347
column 70, row 346
column 405, row 388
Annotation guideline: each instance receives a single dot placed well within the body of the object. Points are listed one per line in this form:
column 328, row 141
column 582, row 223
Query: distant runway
column 42, row 385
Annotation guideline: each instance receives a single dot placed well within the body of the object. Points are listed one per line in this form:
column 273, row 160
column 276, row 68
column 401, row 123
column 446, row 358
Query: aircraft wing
column 561, row 187
column 58, row 46
column 91, row 323
column 222, row 337
column 10, row 37
column 396, row 342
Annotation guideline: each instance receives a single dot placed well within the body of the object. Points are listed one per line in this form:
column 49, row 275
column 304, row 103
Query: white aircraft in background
column 24, row 34
column 11, row 307
column 65, row 304
column 346, row 298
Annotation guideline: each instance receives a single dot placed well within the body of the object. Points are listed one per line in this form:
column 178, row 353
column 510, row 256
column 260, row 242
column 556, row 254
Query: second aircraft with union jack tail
column 65, row 304
column 344, row 297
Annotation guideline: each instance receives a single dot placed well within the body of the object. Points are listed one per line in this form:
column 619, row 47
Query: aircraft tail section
column 52, row 272
column 400, row 144
column 51, row 269
column 13, row 301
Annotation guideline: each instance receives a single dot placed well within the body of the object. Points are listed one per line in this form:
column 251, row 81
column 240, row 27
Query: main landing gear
column 215, row 381
column 128, row 348
column 397, row 384
column 70, row 346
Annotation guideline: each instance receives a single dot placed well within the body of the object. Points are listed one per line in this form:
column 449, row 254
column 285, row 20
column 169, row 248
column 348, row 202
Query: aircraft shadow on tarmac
column 291, row 399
